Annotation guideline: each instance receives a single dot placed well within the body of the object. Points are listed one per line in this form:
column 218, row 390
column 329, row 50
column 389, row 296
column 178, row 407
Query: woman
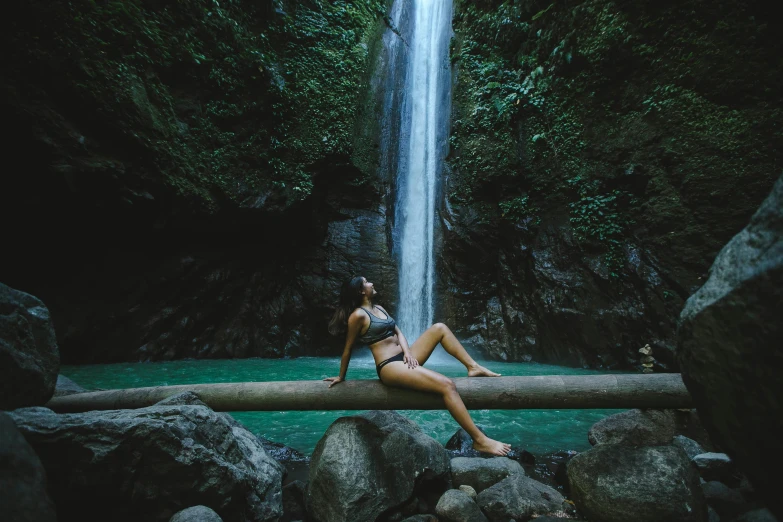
column 399, row 364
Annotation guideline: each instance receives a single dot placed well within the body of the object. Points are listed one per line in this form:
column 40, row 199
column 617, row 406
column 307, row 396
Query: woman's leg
column 439, row 333
column 399, row 375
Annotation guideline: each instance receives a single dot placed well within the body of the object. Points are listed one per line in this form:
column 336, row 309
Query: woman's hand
column 410, row 360
column 334, row 380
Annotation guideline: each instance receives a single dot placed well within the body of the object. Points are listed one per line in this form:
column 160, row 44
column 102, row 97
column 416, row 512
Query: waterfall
column 424, row 121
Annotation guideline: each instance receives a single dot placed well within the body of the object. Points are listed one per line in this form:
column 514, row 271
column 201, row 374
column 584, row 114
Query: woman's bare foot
column 492, row 447
column 480, row 371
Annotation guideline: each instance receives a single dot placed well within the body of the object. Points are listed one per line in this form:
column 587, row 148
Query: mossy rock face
column 601, row 155
column 185, row 161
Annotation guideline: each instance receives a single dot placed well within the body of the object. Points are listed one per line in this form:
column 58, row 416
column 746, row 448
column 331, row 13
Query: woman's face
column 368, row 289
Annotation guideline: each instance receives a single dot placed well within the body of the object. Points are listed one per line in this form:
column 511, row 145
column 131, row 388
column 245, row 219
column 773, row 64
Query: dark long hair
column 350, row 300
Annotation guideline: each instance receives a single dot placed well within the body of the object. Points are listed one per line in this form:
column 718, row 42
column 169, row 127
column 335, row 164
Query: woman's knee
column 441, row 328
column 447, row 386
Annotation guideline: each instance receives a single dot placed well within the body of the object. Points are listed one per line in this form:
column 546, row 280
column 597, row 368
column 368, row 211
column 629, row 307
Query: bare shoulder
column 358, row 316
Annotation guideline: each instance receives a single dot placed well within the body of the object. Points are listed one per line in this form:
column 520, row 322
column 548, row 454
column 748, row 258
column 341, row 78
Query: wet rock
column 23, row 491
column 717, row 466
column 196, row 514
column 66, row 386
column 294, row 501
column 151, row 462
column 29, row 357
column 727, row 502
column 462, row 443
column 615, row 483
column 520, row 498
column 469, row 491
column 482, row 473
column 757, row 515
column 374, row 463
column 457, row 506
column 729, row 326
column 689, row 446
column 420, row 518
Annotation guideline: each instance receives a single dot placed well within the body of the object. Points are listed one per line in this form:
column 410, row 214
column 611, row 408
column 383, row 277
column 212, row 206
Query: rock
column 482, row 473
column 187, row 398
column 457, row 506
column 196, row 514
column 420, row 518
column 66, row 386
column 29, row 358
column 294, row 501
column 23, row 494
column 649, row 483
column 469, row 491
column 148, row 463
column 730, row 348
column 717, row 466
column 757, row 515
column 374, row 463
column 689, row 446
column 634, row 428
column 712, row 515
column 462, row 443
column 519, row 497
column 727, row 502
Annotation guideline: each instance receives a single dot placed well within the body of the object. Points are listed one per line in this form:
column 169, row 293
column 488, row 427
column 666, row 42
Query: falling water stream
column 423, row 130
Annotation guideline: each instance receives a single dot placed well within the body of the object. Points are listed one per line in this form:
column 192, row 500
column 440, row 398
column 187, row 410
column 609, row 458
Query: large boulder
column 634, row 428
column 457, row 506
column 196, row 514
column 149, row 463
column 368, row 464
column 29, row 358
column 482, row 473
column 730, row 348
column 519, row 498
column 23, row 495
column 647, row 428
column 617, row 483
column 66, row 386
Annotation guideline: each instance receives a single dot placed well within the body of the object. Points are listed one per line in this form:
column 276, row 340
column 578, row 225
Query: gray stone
column 757, row 515
column 29, row 358
column 616, row 483
column 730, row 348
column 148, row 463
column 634, row 428
column 23, row 494
column 187, row 398
column 482, row 473
column 66, row 386
column 420, row 518
column 469, row 491
column 717, row 466
column 689, row 446
column 727, row 502
column 457, row 506
column 519, row 497
column 196, row 514
column 294, row 501
column 368, row 464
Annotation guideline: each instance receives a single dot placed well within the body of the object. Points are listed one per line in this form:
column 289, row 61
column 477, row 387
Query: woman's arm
column 409, row 359
column 355, row 323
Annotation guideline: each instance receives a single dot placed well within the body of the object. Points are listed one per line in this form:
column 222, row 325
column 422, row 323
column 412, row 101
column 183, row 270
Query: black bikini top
column 378, row 330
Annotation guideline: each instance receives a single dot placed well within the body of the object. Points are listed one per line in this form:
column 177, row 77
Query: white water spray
column 423, row 126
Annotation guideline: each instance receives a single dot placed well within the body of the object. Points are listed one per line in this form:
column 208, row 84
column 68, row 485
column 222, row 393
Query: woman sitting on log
column 397, row 363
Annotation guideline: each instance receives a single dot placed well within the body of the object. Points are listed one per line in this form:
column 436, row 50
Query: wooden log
column 665, row 390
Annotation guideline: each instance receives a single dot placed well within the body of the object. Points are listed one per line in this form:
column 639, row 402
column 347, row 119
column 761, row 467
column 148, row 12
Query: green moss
column 218, row 96
column 599, row 109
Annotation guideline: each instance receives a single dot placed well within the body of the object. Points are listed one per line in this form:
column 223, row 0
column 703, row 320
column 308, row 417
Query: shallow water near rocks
column 538, row 431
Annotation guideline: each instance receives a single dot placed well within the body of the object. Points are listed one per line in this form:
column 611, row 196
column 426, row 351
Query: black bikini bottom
column 399, row 357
